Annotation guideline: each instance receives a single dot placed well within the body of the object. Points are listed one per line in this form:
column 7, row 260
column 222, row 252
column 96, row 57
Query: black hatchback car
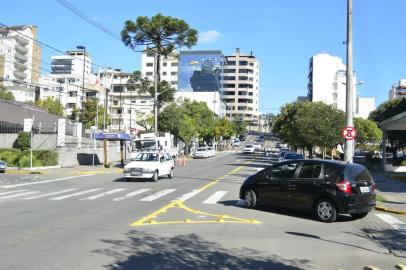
column 326, row 188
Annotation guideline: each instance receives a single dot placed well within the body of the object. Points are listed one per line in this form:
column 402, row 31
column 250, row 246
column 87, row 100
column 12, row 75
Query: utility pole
column 349, row 144
column 156, row 92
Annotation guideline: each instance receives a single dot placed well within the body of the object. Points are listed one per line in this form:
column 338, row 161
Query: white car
column 257, row 145
column 201, row 152
column 150, row 165
column 249, row 149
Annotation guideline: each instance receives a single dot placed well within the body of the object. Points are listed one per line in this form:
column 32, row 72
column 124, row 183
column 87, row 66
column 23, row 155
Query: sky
column 282, row 34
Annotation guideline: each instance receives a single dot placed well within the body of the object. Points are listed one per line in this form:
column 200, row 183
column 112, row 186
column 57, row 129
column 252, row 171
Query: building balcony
column 21, row 49
column 19, row 75
column 22, row 58
column 21, row 41
column 20, row 67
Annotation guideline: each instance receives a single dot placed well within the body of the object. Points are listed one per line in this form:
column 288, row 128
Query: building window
column 164, row 73
column 164, row 64
column 230, row 78
column 71, row 105
column 229, row 85
column 173, row 73
column 73, row 94
column 149, row 73
column 243, row 78
column 129, row 111
column 150, row 55
column 133, row 101
column 150, row 64
column 245, row 85
column 119, row 111
column 229, row 93
column 231, row 63
column 118, row 88
column 243, row 63
column 229, row 70
column 174, row 64
column 174, row 82
column 115, row 102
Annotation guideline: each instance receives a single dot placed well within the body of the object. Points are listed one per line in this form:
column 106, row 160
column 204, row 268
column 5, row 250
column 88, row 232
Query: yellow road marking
column 219, row 218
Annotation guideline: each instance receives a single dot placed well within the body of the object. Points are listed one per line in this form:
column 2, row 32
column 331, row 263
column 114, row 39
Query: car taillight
column 344, row 186
column 373, row 188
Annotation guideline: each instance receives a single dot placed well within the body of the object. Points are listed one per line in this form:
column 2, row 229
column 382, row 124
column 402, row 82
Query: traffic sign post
column 349, row 133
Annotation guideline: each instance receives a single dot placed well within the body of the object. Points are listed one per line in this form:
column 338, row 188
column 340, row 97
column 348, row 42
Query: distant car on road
column 236, row 142
column 202, row 152
column 249, row 149
column 282, row 154
column 3, row 166
column 242, row 138
column 211, row 151
column 326, row 188
column 257, row 145
column 150, row 165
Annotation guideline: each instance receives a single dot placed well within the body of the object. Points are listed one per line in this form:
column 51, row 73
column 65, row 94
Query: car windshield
column 248, row 146
column 201, row 149
column 146, row 157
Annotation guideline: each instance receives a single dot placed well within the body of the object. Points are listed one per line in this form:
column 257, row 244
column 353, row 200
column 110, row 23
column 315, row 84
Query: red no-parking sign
column 349, row 133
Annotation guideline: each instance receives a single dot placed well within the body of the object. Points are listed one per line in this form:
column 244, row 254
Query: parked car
column 282, row 154
column 398, row 160
column 236, row 142
column 3, row 166
column 211, row 151
column 150, row 165
column 291, row 156
column 201, row 152
column 242, row 138
column 326, row 188
column 249, row 149
column 257, row 145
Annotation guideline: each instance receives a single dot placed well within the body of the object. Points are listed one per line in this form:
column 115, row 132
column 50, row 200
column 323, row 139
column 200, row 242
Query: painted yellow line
column 150, row 219
column 388, row 210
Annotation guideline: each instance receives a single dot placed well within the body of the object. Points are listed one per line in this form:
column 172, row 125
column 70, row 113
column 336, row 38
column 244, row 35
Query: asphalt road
column 193, row 221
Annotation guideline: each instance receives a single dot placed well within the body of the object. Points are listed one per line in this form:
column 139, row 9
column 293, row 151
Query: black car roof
column 337, row 163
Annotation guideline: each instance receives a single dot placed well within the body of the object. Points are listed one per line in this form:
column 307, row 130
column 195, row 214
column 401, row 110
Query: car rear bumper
column 346, row 207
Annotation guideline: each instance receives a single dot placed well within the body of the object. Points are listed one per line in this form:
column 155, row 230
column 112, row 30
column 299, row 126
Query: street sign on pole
column 349, row 133
column 28, row 124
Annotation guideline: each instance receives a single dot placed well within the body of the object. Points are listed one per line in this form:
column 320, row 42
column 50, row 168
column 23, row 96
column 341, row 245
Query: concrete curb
column 23, row 171
column 388, row 210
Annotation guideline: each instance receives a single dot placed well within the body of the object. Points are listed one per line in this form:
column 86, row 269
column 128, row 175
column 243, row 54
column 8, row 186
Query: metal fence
column 38, row 127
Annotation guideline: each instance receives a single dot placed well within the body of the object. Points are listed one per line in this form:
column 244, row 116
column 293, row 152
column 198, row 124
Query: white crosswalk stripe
column 104, row 194
column 19, row 195
column 50, row 194
column 157, row 195
column 75, row 194
column 131, row 194
column 393, row 222
column 14, row 191
column 213, row 199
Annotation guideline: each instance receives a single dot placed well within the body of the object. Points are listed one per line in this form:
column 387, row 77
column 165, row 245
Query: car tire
column 170, row 175
column 325, row 210
column 155, row 176
column 250, row 198
column 359, row 215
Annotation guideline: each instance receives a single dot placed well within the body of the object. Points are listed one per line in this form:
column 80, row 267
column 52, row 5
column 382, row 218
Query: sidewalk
column 393, row 192
column 76, row 170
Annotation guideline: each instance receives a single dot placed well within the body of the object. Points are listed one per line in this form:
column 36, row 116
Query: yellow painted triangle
column 151, row 218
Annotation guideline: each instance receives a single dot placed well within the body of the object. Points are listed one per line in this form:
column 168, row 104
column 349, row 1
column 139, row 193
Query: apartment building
column 68, row 72
column 168, row 67
column 398, row 91
column 20, row 60
column 240, row 84
column 364, row 106
column 124, row 104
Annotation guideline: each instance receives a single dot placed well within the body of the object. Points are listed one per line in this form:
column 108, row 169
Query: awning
column 113, row 136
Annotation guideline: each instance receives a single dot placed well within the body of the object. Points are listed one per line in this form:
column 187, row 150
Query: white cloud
column 209, row 36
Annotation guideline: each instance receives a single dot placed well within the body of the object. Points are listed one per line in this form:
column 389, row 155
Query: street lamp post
column 156, row 92
column 83, row 76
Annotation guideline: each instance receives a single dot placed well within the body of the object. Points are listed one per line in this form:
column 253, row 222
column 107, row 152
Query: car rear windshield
column 248, row 146
column 293, row 156
column 357, row 173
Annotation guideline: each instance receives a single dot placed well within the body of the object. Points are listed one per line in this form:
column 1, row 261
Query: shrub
column 23, row 142
column 17, row 158
column 403, row 163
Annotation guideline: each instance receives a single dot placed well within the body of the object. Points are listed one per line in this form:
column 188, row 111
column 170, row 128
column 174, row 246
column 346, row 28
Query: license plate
column 364, row 189
column 135, row 174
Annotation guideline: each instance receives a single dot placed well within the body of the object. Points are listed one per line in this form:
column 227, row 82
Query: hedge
column 18, row 158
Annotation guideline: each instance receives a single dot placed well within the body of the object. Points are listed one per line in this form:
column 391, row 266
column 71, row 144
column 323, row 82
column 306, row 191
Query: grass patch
column 18, row 158
column 380, row 198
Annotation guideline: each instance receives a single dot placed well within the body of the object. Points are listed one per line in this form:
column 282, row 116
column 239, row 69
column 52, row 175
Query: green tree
column 160, row 34
column 367, row 132
column 147, row 122
column 309, row 124
column 52, row 105
column 88, row 116
column 4, row 94
column 23, row 141
column 239, row 126
column 166, row 93
column 223, row 128
column 187, row 129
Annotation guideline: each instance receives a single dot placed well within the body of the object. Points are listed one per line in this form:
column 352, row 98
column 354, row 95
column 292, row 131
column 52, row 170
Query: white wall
column 365, row 105
column 212, row 99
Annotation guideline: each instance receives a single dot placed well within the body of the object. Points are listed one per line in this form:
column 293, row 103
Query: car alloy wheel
column 250, row 199
column 326, row 211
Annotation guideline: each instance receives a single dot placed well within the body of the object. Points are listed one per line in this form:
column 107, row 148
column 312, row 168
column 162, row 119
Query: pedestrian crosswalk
column 114, row 195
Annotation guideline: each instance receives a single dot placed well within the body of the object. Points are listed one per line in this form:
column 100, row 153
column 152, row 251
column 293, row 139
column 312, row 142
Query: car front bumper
column 142, row 175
